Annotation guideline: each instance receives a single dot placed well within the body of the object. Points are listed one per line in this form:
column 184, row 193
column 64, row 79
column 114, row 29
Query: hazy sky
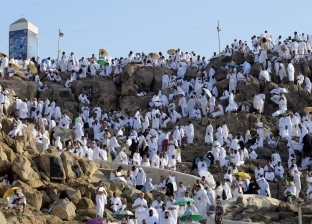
column 151, row 26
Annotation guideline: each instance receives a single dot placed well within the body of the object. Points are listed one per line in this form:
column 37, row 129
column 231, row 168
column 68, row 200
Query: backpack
column 224, row 197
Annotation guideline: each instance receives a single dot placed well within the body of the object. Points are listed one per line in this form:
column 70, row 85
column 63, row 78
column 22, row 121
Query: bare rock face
column 20, row 88
column 23, row 168
column 64, row 209
column 190, row 73
column 133, row 103
column 68, row 162
column 157, row 79
column 88, row 167
column 255, row 70
column 2, row 219
column 5, row 165
column 98, row 90
column 64, row 133
column 52, row 166
column 220, row 73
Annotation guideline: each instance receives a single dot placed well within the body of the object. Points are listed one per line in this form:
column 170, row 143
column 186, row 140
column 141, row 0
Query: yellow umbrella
column 1, row 53
column 33, row 69
column 10, row 191
column 153, row 55
column 308, row 110
column 242, row 175
column 104, row 51
column 14, row 66
column 170, row 51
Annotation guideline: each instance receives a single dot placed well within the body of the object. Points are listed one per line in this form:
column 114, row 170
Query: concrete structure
column 23, row 39
column 155, row 173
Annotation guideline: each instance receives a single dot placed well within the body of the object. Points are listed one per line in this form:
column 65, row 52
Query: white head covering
column 171, row 180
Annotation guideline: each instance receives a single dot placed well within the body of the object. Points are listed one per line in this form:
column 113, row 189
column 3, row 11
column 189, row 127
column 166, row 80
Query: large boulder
column 23, row 168
column 2, row 219
column 33, row 196
column 52, row 166
column 98, row 90
column 129, row 88
column 64, row 133
column 220, row 73
column 5, row 165
column 218, row 62
column 158, row 74
column 143, row 78
column 88, row 167
column 68, row 162
column 64, row 209
column 221, row 85
column 190, row 74
column 129, row 70
column 133, row 103
column 20, row 88
column 255, row 70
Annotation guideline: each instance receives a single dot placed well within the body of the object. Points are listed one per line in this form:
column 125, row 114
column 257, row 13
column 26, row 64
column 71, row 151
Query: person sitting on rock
column 17, row 201
column 58, row 78
column 162, row 184
column 218, row 111
column 258, row 143
column 83, row 99
column 116, row 204
column 5, row 180
column 225, row 94
column 279, row 170
column 116, row 175
column 269, row 171
column 65, row 121
column 290, row 191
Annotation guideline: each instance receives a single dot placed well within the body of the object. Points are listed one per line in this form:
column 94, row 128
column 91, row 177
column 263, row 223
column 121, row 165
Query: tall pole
column 219, row 29
column 58, row 45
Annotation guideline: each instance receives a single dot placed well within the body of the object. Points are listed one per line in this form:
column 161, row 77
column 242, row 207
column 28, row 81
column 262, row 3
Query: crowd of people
column 142, row 139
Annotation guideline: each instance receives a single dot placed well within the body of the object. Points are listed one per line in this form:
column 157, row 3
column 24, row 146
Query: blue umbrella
column 205, row 159
column 216, row 143
column 232, row 65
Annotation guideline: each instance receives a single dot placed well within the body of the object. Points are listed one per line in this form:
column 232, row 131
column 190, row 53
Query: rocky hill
column 45, row 175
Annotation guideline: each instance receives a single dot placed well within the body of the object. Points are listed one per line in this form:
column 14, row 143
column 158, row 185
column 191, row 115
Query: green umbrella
column 183, row 201
column 76, row 119
column 193, row 215
column 122, row 213
column 102, row 62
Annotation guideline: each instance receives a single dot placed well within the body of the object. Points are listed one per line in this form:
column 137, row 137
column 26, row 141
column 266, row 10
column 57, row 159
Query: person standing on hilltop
column 291, row 72
column 72, row 62
column 63, row 62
